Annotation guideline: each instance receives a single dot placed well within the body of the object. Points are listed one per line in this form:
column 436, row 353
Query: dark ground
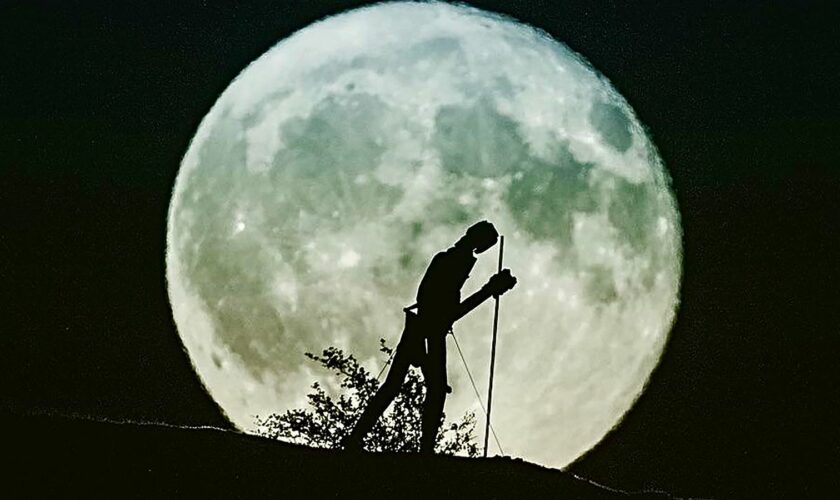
column 55, row 457
column 98, row 102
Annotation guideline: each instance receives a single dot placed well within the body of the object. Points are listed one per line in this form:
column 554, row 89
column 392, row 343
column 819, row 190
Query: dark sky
column 98, row 102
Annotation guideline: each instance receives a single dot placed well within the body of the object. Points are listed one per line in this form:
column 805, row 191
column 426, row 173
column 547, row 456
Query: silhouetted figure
column 423, row 341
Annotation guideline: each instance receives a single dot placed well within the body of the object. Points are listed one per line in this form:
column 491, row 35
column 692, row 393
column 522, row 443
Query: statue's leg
column 379, row 402
column 434, row 375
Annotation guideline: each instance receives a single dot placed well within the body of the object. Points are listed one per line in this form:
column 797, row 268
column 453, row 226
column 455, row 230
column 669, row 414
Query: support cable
column 477, row 395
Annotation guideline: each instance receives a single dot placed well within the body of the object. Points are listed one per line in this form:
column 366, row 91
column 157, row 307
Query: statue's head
column 479, row 237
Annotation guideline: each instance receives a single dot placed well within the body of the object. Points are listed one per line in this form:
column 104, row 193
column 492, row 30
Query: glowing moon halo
column 325, row 177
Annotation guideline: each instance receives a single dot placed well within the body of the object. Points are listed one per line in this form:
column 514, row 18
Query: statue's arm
column 473, row 301
column 500, row 283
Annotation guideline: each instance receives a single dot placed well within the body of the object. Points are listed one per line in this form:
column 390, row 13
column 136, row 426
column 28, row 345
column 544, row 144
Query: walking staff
column 493, row 350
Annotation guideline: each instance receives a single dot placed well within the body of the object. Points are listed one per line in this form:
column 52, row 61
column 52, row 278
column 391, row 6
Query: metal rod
column 493, row 351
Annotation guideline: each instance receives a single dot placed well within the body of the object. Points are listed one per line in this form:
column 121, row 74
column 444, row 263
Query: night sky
column 98, row 102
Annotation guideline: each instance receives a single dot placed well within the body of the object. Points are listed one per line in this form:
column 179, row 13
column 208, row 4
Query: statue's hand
column 500, row 282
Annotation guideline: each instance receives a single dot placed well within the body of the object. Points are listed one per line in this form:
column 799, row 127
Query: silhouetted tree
column 327, row 420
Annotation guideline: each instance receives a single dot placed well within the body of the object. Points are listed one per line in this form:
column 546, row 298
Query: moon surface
column 333, row 168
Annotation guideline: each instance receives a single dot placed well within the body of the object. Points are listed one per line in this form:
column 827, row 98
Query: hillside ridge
column 59, row 456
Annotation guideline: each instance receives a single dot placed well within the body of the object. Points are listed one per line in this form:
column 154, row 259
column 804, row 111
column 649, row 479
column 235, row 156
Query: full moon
column 332, row 169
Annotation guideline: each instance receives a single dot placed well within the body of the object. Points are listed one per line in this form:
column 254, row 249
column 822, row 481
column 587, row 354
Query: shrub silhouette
column 327, row 420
